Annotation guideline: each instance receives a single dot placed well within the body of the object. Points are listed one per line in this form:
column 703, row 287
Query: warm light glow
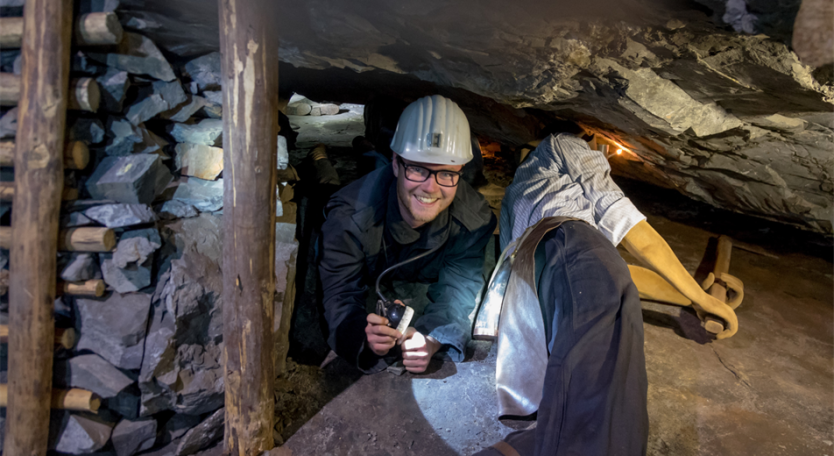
column 619, row 151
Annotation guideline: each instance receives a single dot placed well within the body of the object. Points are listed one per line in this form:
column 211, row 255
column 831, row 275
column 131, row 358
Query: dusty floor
column 769, row 390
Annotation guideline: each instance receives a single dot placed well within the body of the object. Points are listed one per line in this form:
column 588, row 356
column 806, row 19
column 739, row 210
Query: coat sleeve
column 342, row 272
column 454, row 295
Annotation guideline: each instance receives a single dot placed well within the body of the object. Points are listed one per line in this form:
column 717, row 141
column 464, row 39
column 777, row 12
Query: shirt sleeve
column 454, row 295
column 342, row 272
column 614, row 214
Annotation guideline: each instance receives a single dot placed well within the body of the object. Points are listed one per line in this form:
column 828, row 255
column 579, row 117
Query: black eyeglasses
column 416, row 173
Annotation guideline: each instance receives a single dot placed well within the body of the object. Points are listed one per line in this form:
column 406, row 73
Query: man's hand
column 418, row 350
column 380, row 337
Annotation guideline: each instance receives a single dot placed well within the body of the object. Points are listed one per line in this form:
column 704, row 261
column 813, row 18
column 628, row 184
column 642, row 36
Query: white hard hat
column 433, row 130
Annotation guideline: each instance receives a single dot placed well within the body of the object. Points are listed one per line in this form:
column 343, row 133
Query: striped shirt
column 564, row 177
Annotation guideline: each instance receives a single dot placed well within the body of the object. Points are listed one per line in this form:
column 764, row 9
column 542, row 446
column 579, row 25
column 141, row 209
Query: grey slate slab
column 134, row 179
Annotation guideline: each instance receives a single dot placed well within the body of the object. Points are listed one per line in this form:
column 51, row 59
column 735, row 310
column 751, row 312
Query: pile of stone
column 302, row 106
column 150, row 341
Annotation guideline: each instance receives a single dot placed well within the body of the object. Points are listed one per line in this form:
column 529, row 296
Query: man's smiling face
column 422, row 202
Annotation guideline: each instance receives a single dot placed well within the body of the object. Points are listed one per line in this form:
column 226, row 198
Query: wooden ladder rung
column 64, row 337
column 80, row 239
column 63, row 399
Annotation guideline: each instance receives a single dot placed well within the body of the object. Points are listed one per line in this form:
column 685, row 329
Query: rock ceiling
column 705, row 97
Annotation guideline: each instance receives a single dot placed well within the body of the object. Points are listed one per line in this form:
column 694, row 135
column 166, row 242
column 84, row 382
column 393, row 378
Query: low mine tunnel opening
column 427, row 412
column 147, row 315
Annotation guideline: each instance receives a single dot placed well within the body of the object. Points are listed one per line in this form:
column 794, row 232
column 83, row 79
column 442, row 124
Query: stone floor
column 769, row 390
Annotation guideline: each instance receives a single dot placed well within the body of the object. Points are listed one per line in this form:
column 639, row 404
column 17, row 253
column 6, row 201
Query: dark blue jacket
column 364, row 234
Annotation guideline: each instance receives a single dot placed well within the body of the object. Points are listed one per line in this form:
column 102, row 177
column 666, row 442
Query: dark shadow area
column 686, row 324
column 759, row 233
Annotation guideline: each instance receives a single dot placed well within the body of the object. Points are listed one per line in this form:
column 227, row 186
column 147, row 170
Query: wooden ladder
column 43, row 93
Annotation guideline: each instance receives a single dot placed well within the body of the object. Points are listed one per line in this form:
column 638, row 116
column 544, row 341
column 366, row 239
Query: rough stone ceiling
column 706, row 97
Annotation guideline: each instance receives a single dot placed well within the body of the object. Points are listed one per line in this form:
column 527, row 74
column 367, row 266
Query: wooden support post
column 72, row 399
column 76, row 154
column 249, row 45
column 9, row 89
column 90, row 29
column 39, row 177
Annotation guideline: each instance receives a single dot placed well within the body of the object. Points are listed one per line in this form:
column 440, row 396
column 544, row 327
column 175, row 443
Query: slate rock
column 114, row 328
column 90, row 372
column 97, row 6
column 91, row 131
column 167, row 450
column 158, row 97
column 151, row 234
column 185, row 111
column 113, row 84
column 214, row 97
column 82, row 434
column 150, row 144
column 177, row 426
column 137, row 54
column 121, row 215
column 82, row 63
column 8, row 124
column 7, row 59
column 74, row 219
column 146, row 109
column 122, row 136
column 181, row 369
column 135, row 249
column 80, row 267
column 132, row 277
column 197, row 160
column 206, row 196
column 133, row 179
column 203, row 435
column 208, row 132
column 175, row 209
column 205, row 71
column 131, row 437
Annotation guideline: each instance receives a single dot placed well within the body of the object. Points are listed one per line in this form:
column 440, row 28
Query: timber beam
column 249, row 48
column 39, row 180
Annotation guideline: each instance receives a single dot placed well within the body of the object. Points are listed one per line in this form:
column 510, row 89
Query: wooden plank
column 249, row 44
column 39, row 177
column 76, row 154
